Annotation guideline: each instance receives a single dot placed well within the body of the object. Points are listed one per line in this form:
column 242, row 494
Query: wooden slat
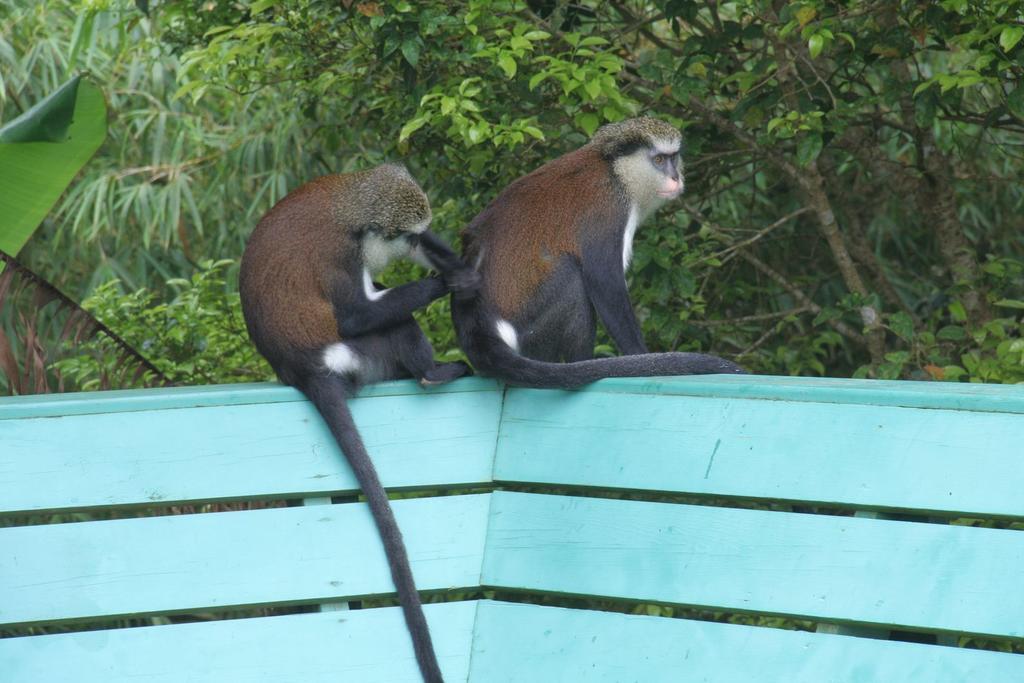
column 367, row 646
column 1000, row 398
column 529, row 643
column 934, row 460
column 924, row 576
column 193, row 562
column 169, row 454
column 126, row 400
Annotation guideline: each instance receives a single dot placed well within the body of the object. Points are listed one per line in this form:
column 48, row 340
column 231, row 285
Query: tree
column 853, row 200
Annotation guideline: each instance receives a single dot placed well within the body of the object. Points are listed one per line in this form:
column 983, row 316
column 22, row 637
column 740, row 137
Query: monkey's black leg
column 416, row 355
column 390, row 308
column 605, row 281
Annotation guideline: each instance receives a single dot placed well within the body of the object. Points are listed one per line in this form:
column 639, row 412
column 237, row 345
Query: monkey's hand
column 462, row 282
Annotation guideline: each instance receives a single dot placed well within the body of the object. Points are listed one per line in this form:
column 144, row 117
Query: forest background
column 854, row 200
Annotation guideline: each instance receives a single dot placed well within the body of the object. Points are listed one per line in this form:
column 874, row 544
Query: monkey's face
column 652, row 173
column 668, row 167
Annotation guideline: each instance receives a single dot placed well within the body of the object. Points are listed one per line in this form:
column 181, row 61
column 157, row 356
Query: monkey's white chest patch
column 341, row 359
column 371, row 292
column 627, row 237
column 508, row 334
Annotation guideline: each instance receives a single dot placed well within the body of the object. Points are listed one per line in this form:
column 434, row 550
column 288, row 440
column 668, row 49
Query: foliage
column 37, row 319
column 991, row 352
column 853, row 168
column 198, row 337
column 41, row 151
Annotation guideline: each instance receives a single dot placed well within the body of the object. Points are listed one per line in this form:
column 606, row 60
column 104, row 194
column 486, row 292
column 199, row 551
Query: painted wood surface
column 187, row 563
column 124, row 400
column 926, row 576
column 950, row 395
column 527, row 643
column 952, row 461
column 929, row 447
column 507, row 642
column 364, row 646
column 229, row 450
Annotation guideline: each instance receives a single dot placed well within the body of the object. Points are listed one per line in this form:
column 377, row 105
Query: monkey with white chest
column 313, row 311
column 552, row 250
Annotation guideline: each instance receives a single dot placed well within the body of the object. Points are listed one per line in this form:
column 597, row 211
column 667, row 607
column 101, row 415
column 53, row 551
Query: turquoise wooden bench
column 716, row 507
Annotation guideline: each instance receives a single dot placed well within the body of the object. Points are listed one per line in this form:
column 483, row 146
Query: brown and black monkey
column 552, row 250
column 313, row 311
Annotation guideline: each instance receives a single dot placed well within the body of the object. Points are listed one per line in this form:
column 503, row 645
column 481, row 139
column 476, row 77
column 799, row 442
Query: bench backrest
column 706, row 498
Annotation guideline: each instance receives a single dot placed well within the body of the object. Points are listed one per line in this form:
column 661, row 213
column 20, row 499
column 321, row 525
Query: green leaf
column 826, row 314
column 900, row 357
column 815, row 44
column 805, row 15
column 588, row 122
column 951, row 333
column 1010, row 303
column 1015, row 100
column 808, row 148
column 257, row 6
column 41, row 151
column 537, row 78
column 1010, row 36
column 593, row 88
column 479, row 131
column 957, row 311
column 924, row 86
column 82, row 36
column 902, row 325
column 48, row 120
column 411, row 127
column 534, row 132
column 507, row 64
column 952, row 373
column 467, row 89
column 411, row 51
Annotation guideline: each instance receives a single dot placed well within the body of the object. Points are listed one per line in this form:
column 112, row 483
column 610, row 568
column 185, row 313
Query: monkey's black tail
column 491, row 356
column 507, row 365
column 330, row 393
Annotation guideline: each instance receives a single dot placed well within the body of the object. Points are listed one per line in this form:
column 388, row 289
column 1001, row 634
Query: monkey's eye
column 660, row 159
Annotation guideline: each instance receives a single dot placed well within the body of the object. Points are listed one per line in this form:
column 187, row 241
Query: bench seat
column 716, row 528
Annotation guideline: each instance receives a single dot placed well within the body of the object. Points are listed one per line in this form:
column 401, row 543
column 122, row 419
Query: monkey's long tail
column 330, row 393
column 495, row 358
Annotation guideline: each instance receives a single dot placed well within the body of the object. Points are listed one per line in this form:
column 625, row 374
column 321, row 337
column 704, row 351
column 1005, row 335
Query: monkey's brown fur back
column 285, row 265
column 301, row 252
column 535, row 232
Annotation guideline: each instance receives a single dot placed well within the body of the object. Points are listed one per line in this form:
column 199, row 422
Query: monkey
column 313, row 311
column 552, row 250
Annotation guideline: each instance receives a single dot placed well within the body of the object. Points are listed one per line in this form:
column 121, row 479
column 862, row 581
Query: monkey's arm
column 605, row 282
column 360, row 315
column 435, row 253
